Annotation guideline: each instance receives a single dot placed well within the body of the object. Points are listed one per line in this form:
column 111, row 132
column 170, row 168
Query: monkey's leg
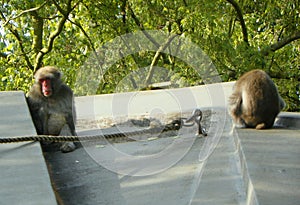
column 235, row 109
column 66, row 146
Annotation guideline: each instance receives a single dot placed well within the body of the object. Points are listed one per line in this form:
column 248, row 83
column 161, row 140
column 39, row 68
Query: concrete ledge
column 24, row 175
column 261, row 154
column 153, row 102
column 270, row 165
column 288, row 119
column 269, row 159
column 251, row 198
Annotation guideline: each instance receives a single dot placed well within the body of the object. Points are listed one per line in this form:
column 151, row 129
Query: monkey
column 51, row 105
column 255, row 101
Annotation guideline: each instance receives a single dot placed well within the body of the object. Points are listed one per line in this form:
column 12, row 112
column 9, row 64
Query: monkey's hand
column 66, row 146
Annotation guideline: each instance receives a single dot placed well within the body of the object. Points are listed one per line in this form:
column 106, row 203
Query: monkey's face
column 46, row 87
column 48, row 79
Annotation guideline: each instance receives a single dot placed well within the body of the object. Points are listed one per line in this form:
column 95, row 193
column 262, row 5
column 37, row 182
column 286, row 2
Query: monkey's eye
column 44, row 79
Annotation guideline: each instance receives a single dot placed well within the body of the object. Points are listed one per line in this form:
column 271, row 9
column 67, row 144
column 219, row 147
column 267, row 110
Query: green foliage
column 15, row 79
column 78, row 47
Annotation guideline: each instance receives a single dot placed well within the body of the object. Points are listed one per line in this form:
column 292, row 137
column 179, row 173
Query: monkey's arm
column 71, row 125
column 70, row 109
column 72, row 117
column 37, row 115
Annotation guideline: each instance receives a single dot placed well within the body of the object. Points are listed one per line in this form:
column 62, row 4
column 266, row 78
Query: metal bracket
column 196, row 118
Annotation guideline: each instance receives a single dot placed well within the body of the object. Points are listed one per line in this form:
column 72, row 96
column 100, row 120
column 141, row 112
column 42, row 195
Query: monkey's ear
column 57, row 74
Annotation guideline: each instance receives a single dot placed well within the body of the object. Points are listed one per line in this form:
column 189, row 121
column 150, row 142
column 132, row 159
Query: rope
column 174, row 125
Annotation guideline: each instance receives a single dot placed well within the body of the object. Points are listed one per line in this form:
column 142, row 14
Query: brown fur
column 255, row 101
column 51, row 113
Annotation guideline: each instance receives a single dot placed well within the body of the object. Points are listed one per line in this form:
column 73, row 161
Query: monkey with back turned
column 51, row 105
column 255, row 101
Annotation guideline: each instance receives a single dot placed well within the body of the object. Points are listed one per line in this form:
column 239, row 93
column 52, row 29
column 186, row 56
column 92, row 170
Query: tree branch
column 17, row 36
column 155, row 59
column 44, row 51
column 241, row 18
column 38, row 24
column 89, row 40
column 276, row 46
column 26, row 11
column 139, row 24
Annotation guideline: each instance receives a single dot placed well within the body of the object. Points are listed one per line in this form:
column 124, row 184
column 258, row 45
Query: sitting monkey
column 51, row 105
column 255, row 101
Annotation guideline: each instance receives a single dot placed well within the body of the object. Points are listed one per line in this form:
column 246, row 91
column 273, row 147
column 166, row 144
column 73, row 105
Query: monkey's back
column 259, row 98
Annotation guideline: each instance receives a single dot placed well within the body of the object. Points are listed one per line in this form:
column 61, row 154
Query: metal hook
column 197, row 117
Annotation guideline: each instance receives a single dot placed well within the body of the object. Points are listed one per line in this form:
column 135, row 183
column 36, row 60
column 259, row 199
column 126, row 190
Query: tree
column 237, row 35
